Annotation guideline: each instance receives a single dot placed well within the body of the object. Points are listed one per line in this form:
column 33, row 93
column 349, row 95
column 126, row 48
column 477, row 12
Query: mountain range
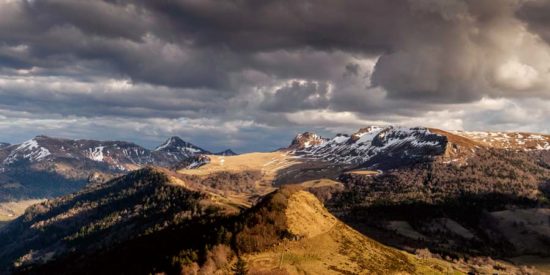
column 43, row 167
column 382, row 200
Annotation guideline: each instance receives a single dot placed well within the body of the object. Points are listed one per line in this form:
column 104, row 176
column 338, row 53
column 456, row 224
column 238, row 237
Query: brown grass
column 364, row 172
column 320, row 183
column 325, row 245
column 456, row 139
column 12, row 210
column 268, row 163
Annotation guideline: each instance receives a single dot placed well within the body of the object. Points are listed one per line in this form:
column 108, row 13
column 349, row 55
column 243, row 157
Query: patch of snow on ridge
column 96, row 153
column 40, row 155
column 29, row 150
column 165, row 144
column 190, row 149
column 372, row 141
column 517, row 141
column 28, row 145
column 340, row 139
column 368, row 137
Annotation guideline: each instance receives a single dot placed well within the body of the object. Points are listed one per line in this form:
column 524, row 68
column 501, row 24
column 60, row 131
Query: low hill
column 316, row 242
column 98, row 217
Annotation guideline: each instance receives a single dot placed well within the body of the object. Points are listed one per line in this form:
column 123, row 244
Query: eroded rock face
column 306, row 140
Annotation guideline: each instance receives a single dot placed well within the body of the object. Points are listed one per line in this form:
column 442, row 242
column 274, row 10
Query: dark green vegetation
column 241, row 182
column 138, row 224
column 101, row 215
column 497, row 172
column 427, row 195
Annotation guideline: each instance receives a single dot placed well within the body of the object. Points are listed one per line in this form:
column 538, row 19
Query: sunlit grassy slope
column 327, row 246
column 269, row 163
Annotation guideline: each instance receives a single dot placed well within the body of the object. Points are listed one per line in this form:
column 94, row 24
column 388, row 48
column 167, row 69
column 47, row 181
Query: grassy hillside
column 320, row 244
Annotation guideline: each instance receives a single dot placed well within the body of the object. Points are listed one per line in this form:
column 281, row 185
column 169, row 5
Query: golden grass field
column 268, row 163
column 327, row 246
column 11, row 210
column 320, row 183
column 364, row 172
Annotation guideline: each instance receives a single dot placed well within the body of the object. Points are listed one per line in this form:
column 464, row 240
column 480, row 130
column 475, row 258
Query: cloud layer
column 249, row 74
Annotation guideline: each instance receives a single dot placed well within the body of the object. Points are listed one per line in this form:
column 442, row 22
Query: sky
column 249, row 75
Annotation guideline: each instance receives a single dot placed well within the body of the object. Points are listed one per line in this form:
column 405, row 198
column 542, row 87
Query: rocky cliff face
column 306, row 140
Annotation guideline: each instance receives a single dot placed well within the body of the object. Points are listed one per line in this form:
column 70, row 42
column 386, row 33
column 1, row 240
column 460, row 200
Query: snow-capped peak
column 365, row 134
column 172, row 141
column 112, row 155
column 176, row 144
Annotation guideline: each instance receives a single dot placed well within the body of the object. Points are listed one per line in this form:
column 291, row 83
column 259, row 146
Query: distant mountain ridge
column 372, row 146
column 227, row 152
column 118, row 155
column 391, row 146
column 179, row 149
column 509, row 140
column 45, row 166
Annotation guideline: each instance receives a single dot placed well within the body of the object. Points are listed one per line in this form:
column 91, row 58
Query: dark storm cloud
column 267, row 61
column 109, row 98
column 537, row 15
column 271, row 25
column 297, row 96
column 429, row 48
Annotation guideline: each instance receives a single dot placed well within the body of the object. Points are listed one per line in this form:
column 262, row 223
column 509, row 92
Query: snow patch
column 29, row 150
column 359, row 147
column 96, row 153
